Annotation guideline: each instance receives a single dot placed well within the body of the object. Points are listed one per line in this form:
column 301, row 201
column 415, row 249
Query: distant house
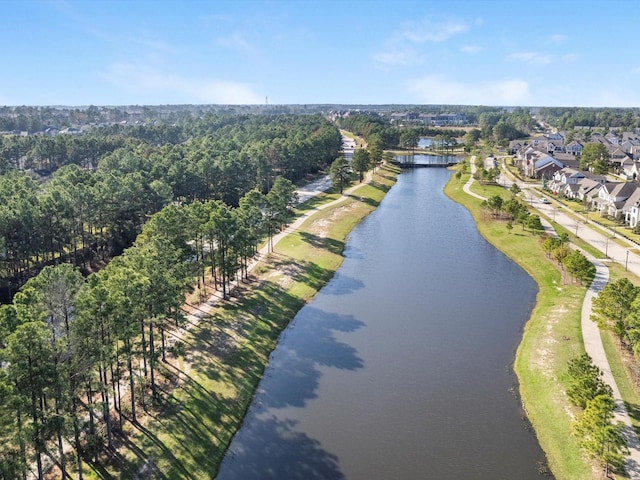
column 567, row 160
column 70, row 131
column 631, row 169
column 631, row 147
column 516, row 146
column 443, row 119
column 612, row 138
column 546, row 166
column 540, row 142
column 574, row 148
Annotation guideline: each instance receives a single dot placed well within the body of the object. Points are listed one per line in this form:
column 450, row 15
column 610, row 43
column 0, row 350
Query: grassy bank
column 551, row 337
column 219, row 361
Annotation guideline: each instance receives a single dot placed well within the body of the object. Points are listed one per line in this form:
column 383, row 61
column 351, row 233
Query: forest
column 99, row 253
column 85, row 199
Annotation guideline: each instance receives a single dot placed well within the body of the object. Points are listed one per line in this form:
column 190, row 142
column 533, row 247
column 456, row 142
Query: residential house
column 631, row 147
column 612, row 197
column 629, row 169
column 527, row 158
column 567, row 160
column 631, row 209
column 540, row 142
column 546, row 166
column 441, row 119
column 588, row 189
column 572, row 176
column 612, row 138
column 574, row 148
column 616, row 157
column 516, row 146
column 629, row 136
column 563, row 177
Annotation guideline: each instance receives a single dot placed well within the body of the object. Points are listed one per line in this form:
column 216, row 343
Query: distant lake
column 425, row 142
column 421, row 158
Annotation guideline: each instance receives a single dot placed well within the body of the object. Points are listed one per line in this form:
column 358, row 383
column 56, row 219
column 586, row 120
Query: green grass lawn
column 208, row 388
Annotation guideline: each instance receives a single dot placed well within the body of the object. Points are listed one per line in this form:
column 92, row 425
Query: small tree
column 586, row 381
column 579, row 266
column 612, row 306
column 534, row 224
column 598, row 436
column 340, row 173
column 360, row 162
column 559, row 253
column 495, row 204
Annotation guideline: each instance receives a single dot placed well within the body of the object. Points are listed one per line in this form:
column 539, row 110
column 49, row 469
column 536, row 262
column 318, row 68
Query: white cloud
column 146, row 81
column 556, row 39
column 400, row 48
column 396, row 58
column 530, row 57
column 236, row 41
column 436, row 89
column 471, row 49
column 433, row 31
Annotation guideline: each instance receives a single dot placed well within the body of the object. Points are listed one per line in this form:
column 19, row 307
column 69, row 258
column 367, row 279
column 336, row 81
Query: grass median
column 551, row 337
column 209, row 383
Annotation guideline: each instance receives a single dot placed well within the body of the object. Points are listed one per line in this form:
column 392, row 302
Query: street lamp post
column 606, row 247
column 626, row 261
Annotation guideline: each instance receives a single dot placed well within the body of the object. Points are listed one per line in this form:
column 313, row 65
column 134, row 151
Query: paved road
column 323, row 184
column 592, row 340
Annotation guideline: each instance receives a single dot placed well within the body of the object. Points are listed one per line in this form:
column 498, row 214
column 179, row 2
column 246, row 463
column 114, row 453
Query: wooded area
column 98, row 190
column 151, row 222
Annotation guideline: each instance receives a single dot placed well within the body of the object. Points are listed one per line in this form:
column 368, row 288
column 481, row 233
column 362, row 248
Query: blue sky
column 150, row 52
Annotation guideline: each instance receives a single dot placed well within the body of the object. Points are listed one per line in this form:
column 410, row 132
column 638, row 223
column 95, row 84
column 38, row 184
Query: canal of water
column 400, row 368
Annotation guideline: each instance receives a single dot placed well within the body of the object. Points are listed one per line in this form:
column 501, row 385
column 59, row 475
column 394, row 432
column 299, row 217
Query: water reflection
column 400, row 367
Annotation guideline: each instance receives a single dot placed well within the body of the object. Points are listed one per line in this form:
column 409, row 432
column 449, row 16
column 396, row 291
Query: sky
column 471, row 52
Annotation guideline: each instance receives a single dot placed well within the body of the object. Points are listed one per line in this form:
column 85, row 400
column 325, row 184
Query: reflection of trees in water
column 292, row 376
column 272, row 449
column 268, row 447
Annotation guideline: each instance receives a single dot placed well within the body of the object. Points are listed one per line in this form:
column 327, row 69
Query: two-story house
column 612, row 197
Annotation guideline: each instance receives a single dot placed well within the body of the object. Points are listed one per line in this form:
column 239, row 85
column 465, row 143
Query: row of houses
column 619, row 200
column 618, row 146
column 557, row 164
column 433, row 119
column 541, row 156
